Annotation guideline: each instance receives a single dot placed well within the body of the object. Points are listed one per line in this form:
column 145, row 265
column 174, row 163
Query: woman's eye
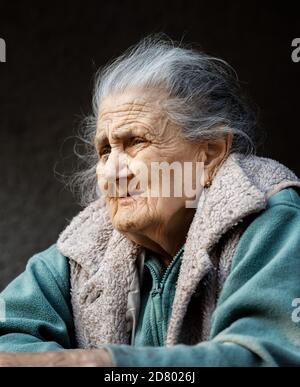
column 137, row 141
column 105, row 153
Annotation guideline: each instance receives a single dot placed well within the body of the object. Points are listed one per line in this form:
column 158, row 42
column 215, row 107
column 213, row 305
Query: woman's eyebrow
column 118, row 134
column 122, row 134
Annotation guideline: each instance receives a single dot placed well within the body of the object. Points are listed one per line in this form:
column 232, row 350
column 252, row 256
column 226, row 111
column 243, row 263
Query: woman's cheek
column 100, row 184
column 101, row 181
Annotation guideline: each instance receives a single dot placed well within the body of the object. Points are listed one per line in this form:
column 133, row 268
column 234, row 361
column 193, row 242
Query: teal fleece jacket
column 255, row 323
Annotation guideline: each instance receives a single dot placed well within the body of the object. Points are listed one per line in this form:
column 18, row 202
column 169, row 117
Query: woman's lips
column 129, row 197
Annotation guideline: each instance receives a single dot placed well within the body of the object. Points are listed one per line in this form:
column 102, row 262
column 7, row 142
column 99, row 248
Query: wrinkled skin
column 134, row 127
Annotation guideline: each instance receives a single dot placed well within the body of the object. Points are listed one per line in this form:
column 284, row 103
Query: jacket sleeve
column 35, row 308
column 255, row 322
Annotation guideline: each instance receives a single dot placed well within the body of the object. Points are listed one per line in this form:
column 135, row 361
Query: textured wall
column 52, row 53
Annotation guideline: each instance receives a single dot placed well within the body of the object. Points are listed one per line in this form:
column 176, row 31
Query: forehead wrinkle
column 129, row 123
column 128, row 108
column 140, row 116
column 126, row 116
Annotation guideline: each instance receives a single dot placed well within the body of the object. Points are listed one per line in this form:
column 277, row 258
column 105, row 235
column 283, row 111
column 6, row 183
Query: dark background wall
column 45, row 87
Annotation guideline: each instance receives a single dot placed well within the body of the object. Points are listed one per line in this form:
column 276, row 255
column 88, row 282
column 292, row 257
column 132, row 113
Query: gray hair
column 204, row 98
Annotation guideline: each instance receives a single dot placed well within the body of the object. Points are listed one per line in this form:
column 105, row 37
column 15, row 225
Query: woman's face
column 133, row 136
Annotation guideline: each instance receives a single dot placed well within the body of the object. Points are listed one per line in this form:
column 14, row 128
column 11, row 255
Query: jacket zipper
column 157, row 313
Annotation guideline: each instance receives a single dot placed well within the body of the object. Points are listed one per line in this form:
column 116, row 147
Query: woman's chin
column 127, row 219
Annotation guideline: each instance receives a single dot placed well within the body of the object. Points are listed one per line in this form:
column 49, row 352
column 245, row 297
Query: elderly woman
column 146, row 279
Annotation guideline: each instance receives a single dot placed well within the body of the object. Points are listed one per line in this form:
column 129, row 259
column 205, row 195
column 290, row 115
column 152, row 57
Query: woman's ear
column 216, row 151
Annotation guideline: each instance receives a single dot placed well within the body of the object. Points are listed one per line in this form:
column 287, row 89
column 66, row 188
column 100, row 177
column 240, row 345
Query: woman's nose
column 116, row 166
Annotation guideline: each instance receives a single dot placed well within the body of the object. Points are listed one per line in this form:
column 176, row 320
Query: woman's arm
column 37, row 310
column 37, row 318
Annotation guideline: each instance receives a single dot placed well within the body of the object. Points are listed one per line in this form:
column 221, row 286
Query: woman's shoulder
column 282, row 208
column 50, row 263
column 51, row 257
column 289, row 197
column 274, row 229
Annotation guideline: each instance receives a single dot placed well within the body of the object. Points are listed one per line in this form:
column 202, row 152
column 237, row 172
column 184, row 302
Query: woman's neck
column 165, row 239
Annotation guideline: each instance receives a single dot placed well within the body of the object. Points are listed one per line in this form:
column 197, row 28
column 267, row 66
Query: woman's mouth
column 130, row 197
